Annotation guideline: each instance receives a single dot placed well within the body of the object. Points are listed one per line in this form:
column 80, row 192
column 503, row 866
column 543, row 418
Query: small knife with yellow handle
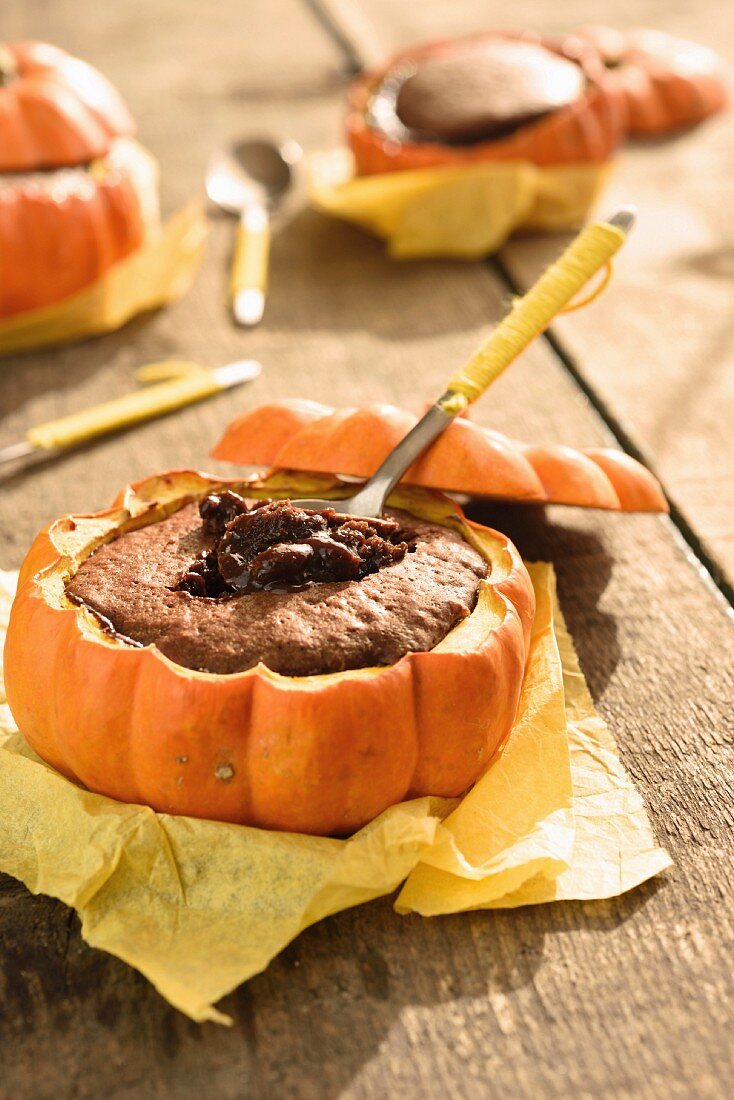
column 173, row 385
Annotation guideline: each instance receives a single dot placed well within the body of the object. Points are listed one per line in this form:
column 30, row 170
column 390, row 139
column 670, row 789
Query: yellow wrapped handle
column 184, row 383
column 249, row 277
column 531, row 314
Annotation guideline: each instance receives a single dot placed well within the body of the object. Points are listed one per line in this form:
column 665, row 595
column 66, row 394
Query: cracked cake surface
column 406, row 606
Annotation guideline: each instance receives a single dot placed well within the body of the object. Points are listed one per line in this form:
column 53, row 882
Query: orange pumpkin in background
column 60, row 230
column 76, row 194
column 589, row 129
column 306, row 436
column 668, row 84
column 319, row 754
column 55, row 110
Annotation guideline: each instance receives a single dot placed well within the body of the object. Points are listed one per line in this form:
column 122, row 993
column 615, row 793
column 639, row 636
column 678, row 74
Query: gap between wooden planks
column 635, row 1000
column 658, row 360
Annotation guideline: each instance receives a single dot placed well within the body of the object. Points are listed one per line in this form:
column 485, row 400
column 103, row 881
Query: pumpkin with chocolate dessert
column 497, row 96
column 213, row 653
column 76, row 193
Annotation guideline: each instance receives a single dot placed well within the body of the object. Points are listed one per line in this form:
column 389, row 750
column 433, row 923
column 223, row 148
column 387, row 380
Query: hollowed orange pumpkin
column 588, row 130
column 320, row 754
column 55, row 110
column 307, row 436
column 62, row 229
column 668, row 83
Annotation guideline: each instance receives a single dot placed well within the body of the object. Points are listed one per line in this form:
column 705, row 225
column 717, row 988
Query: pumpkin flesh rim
column 465, row 637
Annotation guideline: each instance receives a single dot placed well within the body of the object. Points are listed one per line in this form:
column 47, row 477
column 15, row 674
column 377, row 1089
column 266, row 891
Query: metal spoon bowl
column 253, row 169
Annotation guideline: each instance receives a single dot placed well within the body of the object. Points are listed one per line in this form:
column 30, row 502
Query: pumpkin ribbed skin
column 306, row 436
column 55, row 110
column 668, row 84
column 321, row 755
column 586, row 131
column 60, row 230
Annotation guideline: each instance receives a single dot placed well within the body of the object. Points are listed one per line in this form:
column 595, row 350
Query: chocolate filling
column 133, row 584
column 278, row 547
column 474, row 92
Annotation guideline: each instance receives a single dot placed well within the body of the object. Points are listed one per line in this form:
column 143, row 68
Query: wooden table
column 631, row 997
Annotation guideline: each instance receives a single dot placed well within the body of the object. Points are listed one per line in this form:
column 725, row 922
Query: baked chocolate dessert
column 226, row 584
column 498, row 96
column 483, row 91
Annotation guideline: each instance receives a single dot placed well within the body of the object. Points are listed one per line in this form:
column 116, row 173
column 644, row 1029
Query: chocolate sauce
column 279, row 547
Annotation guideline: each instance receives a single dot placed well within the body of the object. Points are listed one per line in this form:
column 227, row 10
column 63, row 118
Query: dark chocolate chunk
column 280, row 547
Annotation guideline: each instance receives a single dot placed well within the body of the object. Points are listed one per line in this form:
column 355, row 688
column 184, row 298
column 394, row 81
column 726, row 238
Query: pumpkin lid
column 307, row 436
column 668, row 83
column 55, row 110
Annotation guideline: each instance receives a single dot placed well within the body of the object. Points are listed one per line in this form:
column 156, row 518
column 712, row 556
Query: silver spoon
column 530, row 315
column 248, row 178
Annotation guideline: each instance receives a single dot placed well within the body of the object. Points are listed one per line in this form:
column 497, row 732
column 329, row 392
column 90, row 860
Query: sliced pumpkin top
column 307, row 436
column 55, row 110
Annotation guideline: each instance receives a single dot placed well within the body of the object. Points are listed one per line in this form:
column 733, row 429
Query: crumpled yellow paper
column 466, row 212
column 200, row 906
column 160, row 271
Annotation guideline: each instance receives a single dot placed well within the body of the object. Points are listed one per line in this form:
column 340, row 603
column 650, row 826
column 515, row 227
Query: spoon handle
column 532, row 314
column 249, row 277
column 529, row 317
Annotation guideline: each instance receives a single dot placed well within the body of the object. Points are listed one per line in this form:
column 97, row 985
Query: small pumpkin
column 588, row 129
column 62, row 229
column 319, row 754
column 307, row 436
column 76, row 193
column 55, row 110
column 668, row 84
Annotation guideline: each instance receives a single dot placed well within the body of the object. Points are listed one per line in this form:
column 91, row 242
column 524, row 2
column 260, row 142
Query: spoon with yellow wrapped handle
column 169, row 385
column 248, row 179
column 530, row 315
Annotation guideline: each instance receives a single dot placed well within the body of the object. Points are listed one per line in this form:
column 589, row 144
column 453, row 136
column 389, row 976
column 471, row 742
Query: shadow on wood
column 583, row 568
column 28, row 375
column 343, row 265
column 304, row 1028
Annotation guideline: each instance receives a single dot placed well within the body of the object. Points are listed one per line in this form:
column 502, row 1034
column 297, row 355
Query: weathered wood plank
column 636, row 999
column 660, row 360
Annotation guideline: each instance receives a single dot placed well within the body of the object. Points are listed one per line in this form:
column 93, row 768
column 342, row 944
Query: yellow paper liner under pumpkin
column 200, row 906
column 464, row 212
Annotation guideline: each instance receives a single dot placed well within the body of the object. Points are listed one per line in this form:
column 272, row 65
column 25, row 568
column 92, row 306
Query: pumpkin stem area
column 8, row 66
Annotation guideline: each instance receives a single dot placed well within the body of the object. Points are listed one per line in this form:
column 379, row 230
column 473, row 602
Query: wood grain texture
column 666, row 371
column 631, row 997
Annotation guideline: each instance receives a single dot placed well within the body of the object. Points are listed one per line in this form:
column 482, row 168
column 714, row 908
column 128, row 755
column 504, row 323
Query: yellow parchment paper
column 160, row 271
column 200, row 906
column 466, row 212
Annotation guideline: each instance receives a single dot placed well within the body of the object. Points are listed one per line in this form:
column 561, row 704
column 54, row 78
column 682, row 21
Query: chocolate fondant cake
column 214, row 593
column 475, row 93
